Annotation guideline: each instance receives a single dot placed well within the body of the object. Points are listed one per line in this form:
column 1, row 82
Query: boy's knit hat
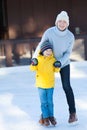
column 62, row 16
column 45, row 45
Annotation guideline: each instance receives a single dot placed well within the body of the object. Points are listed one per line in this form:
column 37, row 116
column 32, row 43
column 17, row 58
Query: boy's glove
column 57, row 64
column 34, row 61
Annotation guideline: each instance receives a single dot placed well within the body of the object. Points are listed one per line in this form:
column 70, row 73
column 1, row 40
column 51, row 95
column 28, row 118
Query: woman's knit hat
column 62, row 16
column 45, row 45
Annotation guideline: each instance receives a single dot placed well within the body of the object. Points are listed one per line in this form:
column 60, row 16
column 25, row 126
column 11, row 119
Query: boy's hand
column 57, row 64
column 34, row 61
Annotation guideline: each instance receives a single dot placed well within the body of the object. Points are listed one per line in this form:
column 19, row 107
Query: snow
column 20, row 105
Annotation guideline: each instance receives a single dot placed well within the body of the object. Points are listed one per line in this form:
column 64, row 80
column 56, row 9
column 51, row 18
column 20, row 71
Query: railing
column 84, row 38
column 11, row 48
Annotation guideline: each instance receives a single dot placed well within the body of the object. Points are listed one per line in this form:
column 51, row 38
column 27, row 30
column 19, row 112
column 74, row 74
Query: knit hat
column 62, row 16
column 45, row 45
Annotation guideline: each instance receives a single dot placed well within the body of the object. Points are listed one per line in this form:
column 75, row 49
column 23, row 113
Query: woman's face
column 62, row 25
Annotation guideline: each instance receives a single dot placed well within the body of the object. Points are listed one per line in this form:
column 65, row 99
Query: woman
column 62, row 40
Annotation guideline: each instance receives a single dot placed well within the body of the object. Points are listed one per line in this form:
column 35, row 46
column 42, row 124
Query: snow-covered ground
column 19, row 101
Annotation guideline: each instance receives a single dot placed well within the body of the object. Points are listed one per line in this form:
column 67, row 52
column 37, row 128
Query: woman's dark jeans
column 65, row 78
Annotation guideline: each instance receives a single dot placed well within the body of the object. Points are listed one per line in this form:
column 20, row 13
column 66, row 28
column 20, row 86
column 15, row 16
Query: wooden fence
column 15, row 48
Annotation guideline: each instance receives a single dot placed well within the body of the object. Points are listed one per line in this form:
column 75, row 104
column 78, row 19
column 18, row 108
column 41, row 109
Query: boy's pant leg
column 44, row 103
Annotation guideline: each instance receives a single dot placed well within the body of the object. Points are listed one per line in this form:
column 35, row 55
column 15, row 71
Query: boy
column 45, row 65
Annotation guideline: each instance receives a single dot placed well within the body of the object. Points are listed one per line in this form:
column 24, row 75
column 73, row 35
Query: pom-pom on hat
column 45, row 45
column 62, row 16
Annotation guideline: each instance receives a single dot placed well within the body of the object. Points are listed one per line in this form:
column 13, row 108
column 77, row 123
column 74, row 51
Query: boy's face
column 47, row 52
column 62, row 25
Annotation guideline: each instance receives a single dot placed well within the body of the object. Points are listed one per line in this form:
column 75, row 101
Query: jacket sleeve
column 56, row 69
column 33, row 68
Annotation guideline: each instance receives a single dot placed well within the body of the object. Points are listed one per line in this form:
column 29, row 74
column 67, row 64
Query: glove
column 34, row 61
column 57, row 64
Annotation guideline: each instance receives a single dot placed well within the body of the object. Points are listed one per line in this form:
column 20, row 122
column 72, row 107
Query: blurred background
column 23, row 22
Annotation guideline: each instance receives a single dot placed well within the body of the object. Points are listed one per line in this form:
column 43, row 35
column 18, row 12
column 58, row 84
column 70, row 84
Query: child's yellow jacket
column 45, row 76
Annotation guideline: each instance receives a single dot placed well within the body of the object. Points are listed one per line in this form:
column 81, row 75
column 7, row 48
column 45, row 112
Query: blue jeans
column 46, row 99
column 65, row 78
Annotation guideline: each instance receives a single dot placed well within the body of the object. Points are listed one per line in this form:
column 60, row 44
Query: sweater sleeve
column 43, row 39
column 66, row 54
